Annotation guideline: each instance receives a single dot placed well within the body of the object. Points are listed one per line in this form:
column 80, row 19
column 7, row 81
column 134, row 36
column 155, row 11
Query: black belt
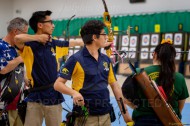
column 42, row 88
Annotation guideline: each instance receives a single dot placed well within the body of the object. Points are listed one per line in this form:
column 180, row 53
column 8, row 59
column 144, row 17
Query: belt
column 41, row 88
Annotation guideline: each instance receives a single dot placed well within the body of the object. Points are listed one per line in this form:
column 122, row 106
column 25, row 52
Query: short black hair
column 38, row 16
column 90, row 28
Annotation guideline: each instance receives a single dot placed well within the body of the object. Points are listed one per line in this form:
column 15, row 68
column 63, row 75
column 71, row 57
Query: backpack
column 130, row 90
column 12, row 84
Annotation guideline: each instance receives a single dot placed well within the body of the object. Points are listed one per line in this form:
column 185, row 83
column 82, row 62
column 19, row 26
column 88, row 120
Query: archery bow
column 107, row 22
column 67, row 33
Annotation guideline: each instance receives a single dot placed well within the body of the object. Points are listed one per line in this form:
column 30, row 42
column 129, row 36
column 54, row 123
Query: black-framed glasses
column 102, row 34
column 49, row 21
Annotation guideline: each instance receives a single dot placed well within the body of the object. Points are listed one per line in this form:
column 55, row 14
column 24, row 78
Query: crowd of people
column 91, row 72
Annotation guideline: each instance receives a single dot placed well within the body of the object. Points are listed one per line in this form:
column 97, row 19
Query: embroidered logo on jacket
column 105, row 64
column 53, row 51
column 154, row 75
column 65, row 71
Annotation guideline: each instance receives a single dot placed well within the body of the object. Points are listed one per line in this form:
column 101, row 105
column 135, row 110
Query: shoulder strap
column 162, row 109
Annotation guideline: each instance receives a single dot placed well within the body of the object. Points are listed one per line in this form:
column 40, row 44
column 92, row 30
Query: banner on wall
column 157, row 28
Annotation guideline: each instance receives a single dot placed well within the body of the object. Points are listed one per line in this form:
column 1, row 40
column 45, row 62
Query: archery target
column 178, row 54
column 133, row 41
column 125, row 49
column 144, row 53
column 178, row 39
column 132, row 52
column 151, row 52
column 154, row 39
column 145, row 40
column 169, row 36
column 125, row 40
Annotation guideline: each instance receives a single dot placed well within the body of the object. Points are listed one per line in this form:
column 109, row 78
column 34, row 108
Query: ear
column 154, row 54
column 39, row 25
column 14, row 31
column 94, row 37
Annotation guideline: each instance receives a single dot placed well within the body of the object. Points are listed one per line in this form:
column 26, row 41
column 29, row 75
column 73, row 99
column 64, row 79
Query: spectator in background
column 9, row 60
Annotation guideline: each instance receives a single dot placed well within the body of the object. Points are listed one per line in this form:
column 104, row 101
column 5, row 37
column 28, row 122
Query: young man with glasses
column 41, row 53
column 91, row 72
column 9, row 60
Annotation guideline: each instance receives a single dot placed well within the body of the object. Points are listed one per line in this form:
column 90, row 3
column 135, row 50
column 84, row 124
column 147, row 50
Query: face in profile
column 47, row 25
column 102, row 39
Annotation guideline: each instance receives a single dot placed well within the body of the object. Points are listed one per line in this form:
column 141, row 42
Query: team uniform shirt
column 91, row 78
column 180, row 92
column 41, row 66
column 7, row 53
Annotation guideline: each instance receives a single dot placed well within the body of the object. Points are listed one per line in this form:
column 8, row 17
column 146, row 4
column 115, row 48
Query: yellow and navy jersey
column 41, row 66
column 91, row 78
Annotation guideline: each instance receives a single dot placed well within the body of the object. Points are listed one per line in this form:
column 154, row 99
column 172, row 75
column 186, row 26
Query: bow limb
column 107, row 22
column 67, row 33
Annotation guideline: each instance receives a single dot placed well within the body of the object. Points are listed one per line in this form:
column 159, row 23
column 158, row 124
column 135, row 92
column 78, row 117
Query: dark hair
column 92, row 27
column 17, row 23
column 38, row 16
column 166, row 55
